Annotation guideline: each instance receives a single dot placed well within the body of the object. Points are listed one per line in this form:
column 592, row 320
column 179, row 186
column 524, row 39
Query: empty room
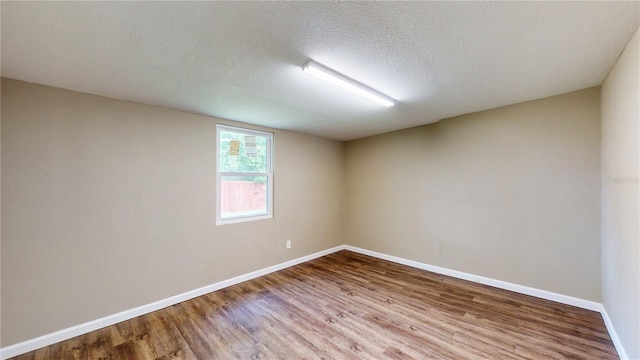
column 319, row 180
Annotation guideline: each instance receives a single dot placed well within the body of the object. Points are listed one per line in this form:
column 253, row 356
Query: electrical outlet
column 288, row 244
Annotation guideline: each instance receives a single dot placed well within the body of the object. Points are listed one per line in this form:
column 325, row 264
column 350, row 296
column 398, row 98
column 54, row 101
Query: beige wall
column 511, row 194
column 620, row 236
column 108, row 205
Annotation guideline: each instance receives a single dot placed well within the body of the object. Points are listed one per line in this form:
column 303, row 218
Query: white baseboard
column 622, row 353
column 64, row 334
column 548, row 295
column 46, row 340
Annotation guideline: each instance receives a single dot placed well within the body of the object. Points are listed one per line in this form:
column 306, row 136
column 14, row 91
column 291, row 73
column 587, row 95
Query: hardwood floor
column 350, row 306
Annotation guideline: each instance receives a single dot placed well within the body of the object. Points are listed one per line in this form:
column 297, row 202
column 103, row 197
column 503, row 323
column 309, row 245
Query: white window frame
column 220, row 174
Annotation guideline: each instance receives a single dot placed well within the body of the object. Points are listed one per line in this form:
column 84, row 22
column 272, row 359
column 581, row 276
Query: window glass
column 244, row 176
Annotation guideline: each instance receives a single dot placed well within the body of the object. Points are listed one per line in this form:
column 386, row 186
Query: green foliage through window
column 243, row 162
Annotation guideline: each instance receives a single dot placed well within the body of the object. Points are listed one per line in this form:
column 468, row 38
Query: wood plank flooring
column 350, row 306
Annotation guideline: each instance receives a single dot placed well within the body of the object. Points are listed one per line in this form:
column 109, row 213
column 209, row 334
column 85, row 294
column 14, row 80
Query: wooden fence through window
column 241, row 196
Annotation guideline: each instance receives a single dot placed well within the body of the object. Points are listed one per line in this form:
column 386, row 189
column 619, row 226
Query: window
column 245, row 175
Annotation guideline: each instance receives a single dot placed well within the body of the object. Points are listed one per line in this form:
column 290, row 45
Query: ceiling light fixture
column 334, row 77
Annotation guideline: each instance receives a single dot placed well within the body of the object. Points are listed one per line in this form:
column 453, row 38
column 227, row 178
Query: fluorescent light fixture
column 334, row 77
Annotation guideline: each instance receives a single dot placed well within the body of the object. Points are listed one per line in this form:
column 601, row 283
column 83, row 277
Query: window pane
column 242, row 196
column 241, row 152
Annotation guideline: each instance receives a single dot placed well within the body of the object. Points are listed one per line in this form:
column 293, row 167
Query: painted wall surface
column 510, row 193
column 620, row 236
column 108, row 205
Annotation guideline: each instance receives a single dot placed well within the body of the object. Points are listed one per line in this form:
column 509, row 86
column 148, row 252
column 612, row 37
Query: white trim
column 622, row 353
column 64, row 334
column 52, row 338
column 544, row 294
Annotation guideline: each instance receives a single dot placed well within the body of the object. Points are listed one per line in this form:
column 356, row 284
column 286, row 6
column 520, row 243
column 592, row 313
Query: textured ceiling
column 241, row 60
